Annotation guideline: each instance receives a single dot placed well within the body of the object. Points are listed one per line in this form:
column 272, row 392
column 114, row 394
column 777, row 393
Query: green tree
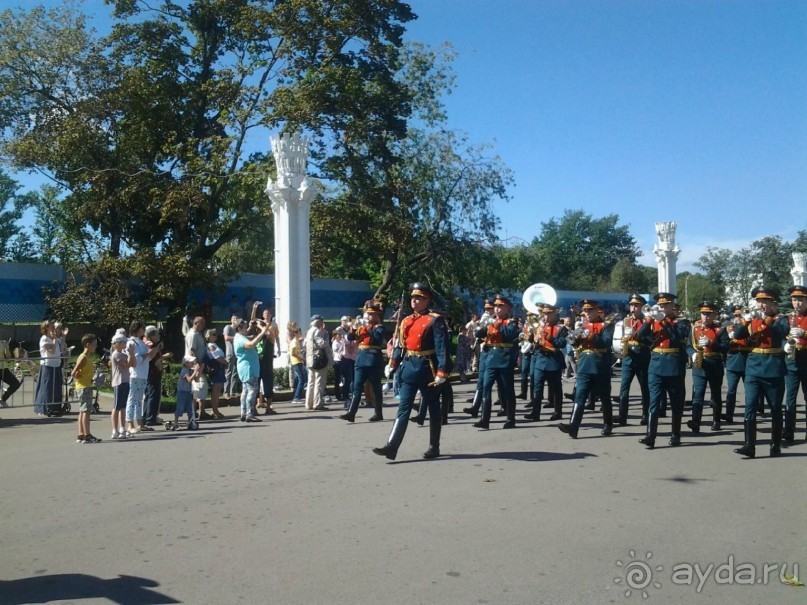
column 430, row 206
column 694, row 288
column 12, row 205
column 579, row 252
column 147, row 129
column 627, row 276
column 771, row 261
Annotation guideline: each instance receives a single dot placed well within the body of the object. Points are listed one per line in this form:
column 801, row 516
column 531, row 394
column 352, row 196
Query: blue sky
column 692, row 110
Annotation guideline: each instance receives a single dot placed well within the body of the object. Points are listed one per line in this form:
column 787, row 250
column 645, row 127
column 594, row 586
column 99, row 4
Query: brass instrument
column 625, row 347
column 697, row 363
column 792, row 320
column 538, row 294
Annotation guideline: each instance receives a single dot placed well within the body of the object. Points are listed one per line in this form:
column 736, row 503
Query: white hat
column 188, row 358
column 345, row 318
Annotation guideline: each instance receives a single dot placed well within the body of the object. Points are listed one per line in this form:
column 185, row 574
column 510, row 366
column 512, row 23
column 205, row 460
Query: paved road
column 297, row 509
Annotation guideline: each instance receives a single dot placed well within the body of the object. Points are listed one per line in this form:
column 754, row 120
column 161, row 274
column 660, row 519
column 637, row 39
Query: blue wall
column 22, row 297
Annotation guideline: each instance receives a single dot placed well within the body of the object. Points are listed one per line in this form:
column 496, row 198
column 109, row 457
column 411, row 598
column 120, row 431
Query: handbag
column 319, row 359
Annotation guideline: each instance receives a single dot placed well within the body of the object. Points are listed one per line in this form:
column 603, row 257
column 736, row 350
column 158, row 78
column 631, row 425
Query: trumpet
column 650, row 310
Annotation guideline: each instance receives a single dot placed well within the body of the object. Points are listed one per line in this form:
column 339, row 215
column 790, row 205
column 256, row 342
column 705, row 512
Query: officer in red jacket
column 667, row 371
column 423, row 361
column 707, row 344
column 765, row 369
column 369, row 365
column 500, row 340
column 796, row 358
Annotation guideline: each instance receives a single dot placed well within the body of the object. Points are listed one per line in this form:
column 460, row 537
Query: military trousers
column 673, row 386
column 714, row 380
column 634, row 368
column 360, row 376
column 772, row 389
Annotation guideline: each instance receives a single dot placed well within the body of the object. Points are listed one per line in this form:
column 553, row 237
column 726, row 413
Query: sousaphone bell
column 536, row 295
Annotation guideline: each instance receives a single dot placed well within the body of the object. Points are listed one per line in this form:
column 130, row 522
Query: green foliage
column 146, row 129
column 12, row 206
column 578, row 252
column 766, row 261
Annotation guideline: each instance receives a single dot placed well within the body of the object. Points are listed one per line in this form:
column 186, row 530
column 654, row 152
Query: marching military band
column 763, row 348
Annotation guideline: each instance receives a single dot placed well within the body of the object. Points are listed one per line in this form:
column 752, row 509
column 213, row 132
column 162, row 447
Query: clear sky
column 693, row 111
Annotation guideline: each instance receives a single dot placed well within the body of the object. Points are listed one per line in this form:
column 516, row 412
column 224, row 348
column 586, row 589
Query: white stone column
column 666, row 252
column 799, row 270
column 291, row 194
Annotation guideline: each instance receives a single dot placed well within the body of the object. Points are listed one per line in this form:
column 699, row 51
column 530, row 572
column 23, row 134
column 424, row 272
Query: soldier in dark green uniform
column 369, row 365
column 484, row 321
column 636, row 362
column 765, row 330
column 548, row 362
column 736, row 357
column 527, row 348
column 500, row 339
column 423, row 361
column 706, row 346
column 796, row 358
column 667, row 370
column 593, row 341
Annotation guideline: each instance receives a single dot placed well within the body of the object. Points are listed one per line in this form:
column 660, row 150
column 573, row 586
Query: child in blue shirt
column 188, row 373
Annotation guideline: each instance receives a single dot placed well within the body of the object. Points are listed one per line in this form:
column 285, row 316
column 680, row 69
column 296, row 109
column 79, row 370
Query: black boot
column 675, row 434
column 728, row 417
column 607, row 417
column 574, row 422
column 749, row 448
column 535, row 414
column 395, row 438
column 558, row 405
column 623, row 412
column 789, row 434
column 652, row 428
column 434, row 441
column 590, row 403
column 716, row 415
column 776, row 435
column 477, row 402
column 695, row 423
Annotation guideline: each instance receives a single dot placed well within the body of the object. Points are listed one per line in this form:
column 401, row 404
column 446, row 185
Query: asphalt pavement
column 297, row 509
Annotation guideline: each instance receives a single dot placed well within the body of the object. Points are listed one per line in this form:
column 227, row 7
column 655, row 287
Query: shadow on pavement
column 125, row 590
column 521, row 456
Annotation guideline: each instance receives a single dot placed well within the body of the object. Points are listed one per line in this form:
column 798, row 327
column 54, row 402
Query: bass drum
column 616, row 343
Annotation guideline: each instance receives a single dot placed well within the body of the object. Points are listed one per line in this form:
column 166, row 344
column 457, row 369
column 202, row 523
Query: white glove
column 730, row 334
column 585, row 333
column 658, row 315
column 748, row 316
column 627, row 333
column 438, row 380
column 388, row 370
column 789, row 348
column 704, row 341
column 694, row 356
column 796, row 332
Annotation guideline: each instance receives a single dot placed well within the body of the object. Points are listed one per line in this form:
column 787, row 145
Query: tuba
column 538, row 294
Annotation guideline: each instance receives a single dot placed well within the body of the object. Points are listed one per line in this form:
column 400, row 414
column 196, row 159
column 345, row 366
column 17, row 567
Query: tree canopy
column 147, row 129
